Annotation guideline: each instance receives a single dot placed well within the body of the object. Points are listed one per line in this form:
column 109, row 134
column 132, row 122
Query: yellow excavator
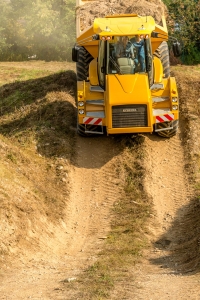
column 123, row 76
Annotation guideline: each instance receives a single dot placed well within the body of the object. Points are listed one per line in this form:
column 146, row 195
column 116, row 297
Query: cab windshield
column 126, row 55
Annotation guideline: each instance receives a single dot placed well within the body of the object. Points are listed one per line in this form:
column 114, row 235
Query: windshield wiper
column 116, row 65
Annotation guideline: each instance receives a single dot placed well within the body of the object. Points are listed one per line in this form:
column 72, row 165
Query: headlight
column 81, row 111
column 174, row 107
column 80, row 103
column 174, row 99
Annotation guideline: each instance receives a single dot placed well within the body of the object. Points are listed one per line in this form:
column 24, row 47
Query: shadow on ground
column 44, row 110
column 41, row 109
column 182, row 241
column 20, row 94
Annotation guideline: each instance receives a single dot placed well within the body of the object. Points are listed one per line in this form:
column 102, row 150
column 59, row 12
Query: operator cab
column 125, row 55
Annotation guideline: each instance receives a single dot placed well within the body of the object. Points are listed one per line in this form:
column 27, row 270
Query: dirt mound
column 36, row 145
column 59, row 193
column 100, row 9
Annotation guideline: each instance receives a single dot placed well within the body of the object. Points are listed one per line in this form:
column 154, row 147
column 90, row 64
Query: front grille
column 129, row 116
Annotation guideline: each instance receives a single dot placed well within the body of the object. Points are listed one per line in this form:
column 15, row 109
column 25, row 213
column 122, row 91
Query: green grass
column 40, row 110
column 32, row 74
column 18, row 75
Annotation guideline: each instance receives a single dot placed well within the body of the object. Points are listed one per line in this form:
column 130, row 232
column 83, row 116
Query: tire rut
column 94, row 189
column 167, row 183
column 99, row 189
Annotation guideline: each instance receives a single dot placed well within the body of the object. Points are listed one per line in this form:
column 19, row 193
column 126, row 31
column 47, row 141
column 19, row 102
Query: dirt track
column 163, row 275
column 93, row 191
column 170, row 269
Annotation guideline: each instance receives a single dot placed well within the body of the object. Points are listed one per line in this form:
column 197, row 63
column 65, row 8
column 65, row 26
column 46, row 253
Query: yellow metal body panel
column 83, row 89
column 127, row 89
column 129, row 130
column 122, row 88
column 173, row 87
column 163, row 36
column 168, row 92
column 158, row 70
column 93, row 76
column 124, row 25
column 119, row 25
column 85, row 39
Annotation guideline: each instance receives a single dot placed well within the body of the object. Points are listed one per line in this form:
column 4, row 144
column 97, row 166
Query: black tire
column 81, row 130
column 168, row 133
column 162, row 52
column 82, row 66
column 82, row 71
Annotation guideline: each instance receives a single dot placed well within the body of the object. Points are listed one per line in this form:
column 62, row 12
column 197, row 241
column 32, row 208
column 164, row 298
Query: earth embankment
column 60, row 193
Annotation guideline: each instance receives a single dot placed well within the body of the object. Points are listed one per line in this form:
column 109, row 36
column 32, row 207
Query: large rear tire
column 82, row 71
column 168, row 133
column 82, row 66
column 162, row 52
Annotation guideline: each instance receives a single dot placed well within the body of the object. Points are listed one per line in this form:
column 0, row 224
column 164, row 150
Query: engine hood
column 127, row 89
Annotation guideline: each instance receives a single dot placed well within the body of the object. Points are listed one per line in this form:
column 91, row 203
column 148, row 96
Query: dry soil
column 54, row 246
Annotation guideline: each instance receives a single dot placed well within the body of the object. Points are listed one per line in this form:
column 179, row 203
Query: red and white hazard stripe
column 164, row 118
column 92, row 121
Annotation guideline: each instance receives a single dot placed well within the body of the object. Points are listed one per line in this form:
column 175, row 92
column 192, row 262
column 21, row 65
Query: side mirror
column 75, row 53
column 176, row 47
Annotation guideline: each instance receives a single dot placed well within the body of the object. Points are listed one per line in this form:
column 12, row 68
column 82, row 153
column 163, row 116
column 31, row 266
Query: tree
column 41, row 27
column 186, row 15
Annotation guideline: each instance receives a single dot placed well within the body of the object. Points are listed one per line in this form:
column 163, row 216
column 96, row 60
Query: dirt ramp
column 36, row 145
column 171, row 268
column 77, row 237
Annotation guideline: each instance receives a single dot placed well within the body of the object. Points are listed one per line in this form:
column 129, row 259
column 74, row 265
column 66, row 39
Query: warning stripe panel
column 164, row 118
column 92, row 121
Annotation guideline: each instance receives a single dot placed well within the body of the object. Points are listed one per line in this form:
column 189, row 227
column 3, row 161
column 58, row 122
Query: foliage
column 42, row 29
column 184, row 24
column 45, row 29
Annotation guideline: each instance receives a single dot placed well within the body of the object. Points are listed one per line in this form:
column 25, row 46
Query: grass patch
column 11, row 72
column 39, row 113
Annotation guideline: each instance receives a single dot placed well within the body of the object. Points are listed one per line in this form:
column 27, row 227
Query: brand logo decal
column 129, row 110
